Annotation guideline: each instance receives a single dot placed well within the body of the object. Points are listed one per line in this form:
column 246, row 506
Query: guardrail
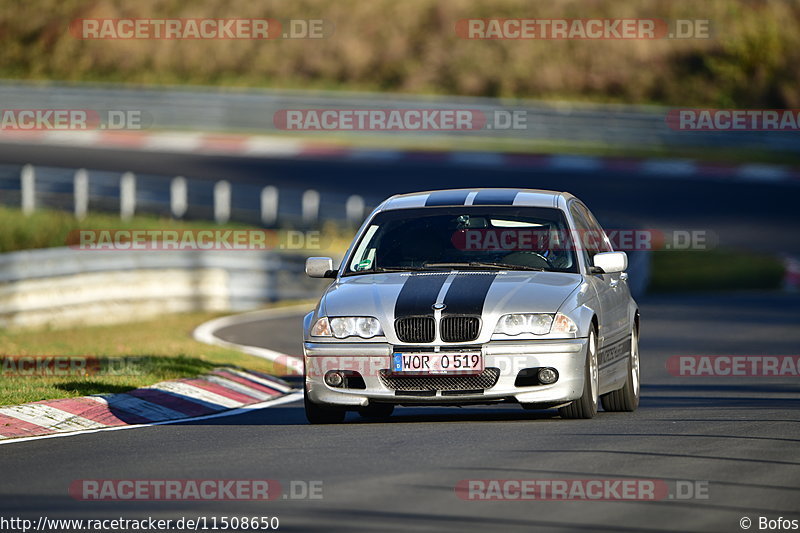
column 253, row 110
column 170, row 281
column 61, row 286
column 127, row 193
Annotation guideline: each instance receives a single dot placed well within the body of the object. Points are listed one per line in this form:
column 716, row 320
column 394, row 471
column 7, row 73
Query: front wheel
column 626, row 399
column 586, row 405
column 319, row 414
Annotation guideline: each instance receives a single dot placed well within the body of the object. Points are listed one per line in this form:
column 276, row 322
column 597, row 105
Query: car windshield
column 465, row 237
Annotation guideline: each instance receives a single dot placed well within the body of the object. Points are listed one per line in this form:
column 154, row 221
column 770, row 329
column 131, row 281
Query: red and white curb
column 284, row 148
column 218, row 393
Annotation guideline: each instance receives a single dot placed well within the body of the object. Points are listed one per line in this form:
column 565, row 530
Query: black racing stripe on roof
column 441, row 198
column 467, row 293
column 418, row 294
column 495, row 197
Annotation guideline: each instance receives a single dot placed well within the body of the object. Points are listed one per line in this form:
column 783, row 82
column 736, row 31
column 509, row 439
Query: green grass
column 47, row 228
column 714, row 270
column 162, row 349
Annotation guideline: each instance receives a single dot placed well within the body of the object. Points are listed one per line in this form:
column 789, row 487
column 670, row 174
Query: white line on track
column 205, row 333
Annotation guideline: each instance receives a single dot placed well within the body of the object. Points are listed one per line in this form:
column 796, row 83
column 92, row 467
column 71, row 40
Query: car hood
column 392, row 295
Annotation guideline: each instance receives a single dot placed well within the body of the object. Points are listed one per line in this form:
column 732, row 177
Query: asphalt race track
column 730, row 444
column 736, row 437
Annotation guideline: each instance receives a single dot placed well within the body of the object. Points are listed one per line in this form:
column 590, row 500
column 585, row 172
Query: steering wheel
column 528, row 259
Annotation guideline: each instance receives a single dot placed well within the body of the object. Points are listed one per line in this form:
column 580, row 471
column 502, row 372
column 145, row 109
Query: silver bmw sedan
column 473, row 296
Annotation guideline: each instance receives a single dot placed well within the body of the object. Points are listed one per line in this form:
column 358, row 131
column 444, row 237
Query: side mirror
column 611, row 262
column 320, row 267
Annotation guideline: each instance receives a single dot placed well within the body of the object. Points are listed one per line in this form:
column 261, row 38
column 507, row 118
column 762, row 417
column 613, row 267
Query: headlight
column 564, row 325
column 517, row 324
column 347, row 326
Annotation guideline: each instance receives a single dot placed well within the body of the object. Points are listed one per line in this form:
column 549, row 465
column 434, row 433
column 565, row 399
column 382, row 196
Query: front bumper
column 567, row 356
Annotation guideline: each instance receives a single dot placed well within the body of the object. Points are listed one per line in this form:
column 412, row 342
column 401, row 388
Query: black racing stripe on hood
column 442, row 198
column 495, row 197
column 467, row 293
column 418, row 295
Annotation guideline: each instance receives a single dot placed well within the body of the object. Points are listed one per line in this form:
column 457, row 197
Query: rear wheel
column 321, row 414
column 586, row 405
column 377, row 410
column 626, row 399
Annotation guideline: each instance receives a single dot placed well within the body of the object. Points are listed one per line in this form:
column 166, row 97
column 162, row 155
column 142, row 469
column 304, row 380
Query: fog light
column 547, row 376
column 334, row 378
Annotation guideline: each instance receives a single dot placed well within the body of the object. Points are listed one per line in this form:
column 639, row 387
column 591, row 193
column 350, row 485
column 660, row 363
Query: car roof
column 481, row 196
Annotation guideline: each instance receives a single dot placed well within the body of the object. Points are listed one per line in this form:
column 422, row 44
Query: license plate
column 437, row 363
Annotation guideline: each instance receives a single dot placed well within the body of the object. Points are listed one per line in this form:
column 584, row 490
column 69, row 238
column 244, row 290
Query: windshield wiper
column 484, row 264
column 379, row 269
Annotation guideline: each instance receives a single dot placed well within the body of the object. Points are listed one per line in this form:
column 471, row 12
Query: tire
column 626, row 399
column 377, row 411
column 586, row 405
column 318, row 414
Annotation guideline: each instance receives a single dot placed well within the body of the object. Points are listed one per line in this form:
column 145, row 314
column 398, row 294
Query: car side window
column 593, row 237
column 604, row 244
column 583, row 230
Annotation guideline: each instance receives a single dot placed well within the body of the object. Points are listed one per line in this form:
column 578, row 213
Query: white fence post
column 354, row 209
column 127, row 196
column 80, row 192
column 222, row 202
column 178, row 197
column 28, row 189
column 310, row 207
column 269, row 205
